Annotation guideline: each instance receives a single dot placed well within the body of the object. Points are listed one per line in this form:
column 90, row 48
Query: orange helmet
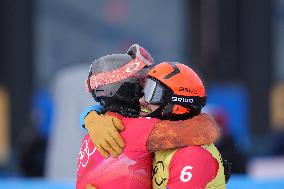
column 177, row 89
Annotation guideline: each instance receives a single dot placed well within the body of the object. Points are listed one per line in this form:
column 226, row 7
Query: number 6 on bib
column 185, row 175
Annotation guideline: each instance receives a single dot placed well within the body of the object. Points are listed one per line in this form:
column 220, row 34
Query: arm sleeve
column 192, row 167
column 198, row 130
column 97, row 107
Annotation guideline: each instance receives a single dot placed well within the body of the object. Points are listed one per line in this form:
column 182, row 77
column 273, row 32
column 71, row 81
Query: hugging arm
column 103, row 130
column 199, row 130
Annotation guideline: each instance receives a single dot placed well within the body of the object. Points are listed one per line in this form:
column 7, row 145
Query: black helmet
column 115, row 80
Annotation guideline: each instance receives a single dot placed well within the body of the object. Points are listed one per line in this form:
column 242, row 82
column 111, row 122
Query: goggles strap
column 126, row 71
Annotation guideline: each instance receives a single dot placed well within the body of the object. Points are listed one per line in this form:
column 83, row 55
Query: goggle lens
column 136, row 51
column 145, row 54
column 153, row 92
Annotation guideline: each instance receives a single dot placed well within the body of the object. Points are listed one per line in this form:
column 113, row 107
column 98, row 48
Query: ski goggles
column 136, row 51
column 137, row 67
column 132, row 69
column 155, row 93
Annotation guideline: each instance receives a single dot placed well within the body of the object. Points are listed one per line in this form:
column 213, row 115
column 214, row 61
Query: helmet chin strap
column 165, row 112
column 157, row 113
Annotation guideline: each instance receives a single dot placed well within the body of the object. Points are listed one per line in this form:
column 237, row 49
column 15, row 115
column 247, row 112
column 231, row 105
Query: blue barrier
column 236, row 182
column 21, row 183
column 244, row 182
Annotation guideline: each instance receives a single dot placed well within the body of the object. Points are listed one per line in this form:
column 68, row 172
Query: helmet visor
column 153, row 92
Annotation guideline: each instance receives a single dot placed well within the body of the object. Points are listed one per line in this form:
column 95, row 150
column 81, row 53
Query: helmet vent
column 174, row 72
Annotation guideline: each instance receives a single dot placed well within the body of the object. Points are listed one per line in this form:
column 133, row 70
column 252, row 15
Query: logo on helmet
column 188, row 90
column 182, row 99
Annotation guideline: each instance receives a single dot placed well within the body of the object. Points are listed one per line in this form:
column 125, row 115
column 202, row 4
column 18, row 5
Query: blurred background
column 46, row 48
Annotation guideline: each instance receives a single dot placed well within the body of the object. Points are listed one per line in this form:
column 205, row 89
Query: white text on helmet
column 182, row 99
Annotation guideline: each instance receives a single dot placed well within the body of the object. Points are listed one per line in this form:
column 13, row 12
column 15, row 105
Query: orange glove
column 103, row 130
